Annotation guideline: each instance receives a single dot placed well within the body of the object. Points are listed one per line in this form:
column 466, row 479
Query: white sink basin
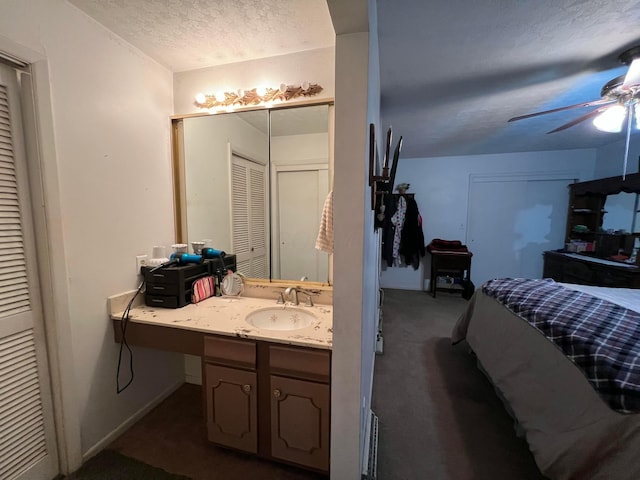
column 280, row 318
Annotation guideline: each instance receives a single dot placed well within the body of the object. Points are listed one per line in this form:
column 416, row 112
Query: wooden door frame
column 45, row 197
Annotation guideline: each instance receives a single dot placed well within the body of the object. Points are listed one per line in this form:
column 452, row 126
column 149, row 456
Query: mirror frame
column 179, row 178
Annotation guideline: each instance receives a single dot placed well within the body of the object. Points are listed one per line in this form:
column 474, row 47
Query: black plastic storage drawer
column 176, row 274
column 170, row 287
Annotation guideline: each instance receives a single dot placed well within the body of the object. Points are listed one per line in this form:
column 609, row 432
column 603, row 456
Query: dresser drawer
column 229, row 351
column 304, row 363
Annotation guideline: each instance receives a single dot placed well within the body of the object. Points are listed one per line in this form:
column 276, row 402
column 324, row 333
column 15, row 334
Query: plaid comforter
column 600, row 337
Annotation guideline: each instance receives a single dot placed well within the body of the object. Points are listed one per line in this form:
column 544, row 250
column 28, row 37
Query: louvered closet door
column 249, row 217
column 27, row 437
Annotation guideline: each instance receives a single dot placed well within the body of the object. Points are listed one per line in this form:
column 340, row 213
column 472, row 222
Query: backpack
column 467, row 288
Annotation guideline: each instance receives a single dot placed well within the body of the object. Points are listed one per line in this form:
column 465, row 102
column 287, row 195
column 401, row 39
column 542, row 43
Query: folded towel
column 324, row 242
column 439, row 245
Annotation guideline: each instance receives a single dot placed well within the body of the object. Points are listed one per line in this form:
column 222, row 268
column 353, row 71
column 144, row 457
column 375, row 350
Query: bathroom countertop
column 226, row 316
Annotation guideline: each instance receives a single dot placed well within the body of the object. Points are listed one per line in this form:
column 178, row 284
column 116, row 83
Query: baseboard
column 193, row 379
column 128, row 423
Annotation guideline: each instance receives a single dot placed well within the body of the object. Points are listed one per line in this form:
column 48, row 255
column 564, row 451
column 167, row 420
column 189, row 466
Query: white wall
column 352, row 224
column 315, row 66
column 371, row 242
column 108, row 177
column 610, row 158
column 441, row 187
column 206, row 142
column 300, row 149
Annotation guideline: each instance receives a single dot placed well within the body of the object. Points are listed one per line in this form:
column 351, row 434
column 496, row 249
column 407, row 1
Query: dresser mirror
column 621, row 213
column 254, row 182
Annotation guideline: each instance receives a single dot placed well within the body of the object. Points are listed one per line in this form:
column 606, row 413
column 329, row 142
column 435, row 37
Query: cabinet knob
column 246, row 388
column 277, row 393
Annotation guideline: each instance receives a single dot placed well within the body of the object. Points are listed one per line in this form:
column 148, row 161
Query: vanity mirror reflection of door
column 300, row 184
column 250, row 180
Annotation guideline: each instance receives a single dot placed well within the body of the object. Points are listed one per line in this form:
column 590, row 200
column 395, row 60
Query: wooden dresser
column 586, row 270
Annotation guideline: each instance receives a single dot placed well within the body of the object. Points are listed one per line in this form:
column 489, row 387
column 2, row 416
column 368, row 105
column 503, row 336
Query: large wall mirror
column 254, row 183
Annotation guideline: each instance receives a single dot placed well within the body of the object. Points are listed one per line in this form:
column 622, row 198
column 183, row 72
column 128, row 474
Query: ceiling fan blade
column 569, row 107
column 578, row 120
column 632, row 78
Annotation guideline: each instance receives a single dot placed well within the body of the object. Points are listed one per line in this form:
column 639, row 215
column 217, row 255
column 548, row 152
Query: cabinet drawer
column 230, row 351
column 299, row 362
column 613, row 278
column 179, row 275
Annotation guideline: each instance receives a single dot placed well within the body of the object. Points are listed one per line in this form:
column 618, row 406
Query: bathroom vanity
column 268, row 399
column 266, row 391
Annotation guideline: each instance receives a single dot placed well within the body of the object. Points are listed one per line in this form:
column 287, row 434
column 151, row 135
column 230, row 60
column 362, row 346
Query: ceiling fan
column 619, row 100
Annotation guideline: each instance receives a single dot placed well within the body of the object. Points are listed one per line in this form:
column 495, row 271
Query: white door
column 249, row 217
column 301, row 195
column 511, row 222
column 27, row 437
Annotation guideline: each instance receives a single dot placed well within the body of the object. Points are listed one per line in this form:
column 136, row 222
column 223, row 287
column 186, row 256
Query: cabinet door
column 300, row 422
column 232, row 407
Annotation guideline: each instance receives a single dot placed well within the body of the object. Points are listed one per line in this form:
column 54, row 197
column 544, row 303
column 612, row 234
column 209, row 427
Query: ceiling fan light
column 611, row 119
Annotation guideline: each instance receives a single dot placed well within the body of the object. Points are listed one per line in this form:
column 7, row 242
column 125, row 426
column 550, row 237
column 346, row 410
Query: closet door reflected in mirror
column 300, row 184
column 255, row 182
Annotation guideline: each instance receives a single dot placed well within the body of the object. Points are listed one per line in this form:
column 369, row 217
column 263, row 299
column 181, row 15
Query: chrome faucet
column 292, row 292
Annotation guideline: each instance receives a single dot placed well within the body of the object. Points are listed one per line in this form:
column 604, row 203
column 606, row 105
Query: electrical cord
column 123, row 329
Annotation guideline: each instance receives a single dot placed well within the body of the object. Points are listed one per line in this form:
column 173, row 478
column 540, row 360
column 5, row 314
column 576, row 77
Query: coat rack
column 381, row 179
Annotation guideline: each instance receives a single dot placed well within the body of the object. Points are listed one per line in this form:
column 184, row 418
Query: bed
column 579, row 422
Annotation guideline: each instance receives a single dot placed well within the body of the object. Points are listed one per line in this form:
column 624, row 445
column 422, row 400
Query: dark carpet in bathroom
column 173, row 437
column 111, row 465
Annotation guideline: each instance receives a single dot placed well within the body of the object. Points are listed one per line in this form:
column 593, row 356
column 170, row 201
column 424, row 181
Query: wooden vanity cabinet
column 231, row 394
column 269, row 399
column 300, row 399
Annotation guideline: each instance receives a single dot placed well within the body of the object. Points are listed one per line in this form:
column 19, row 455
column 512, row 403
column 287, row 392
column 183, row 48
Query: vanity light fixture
column 255, row 96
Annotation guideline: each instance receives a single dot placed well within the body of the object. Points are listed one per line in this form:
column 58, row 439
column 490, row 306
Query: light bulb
column 283, row 87
column 220, row 97
column 261, row 91
column 305, row 85
column 201, row 98
column 611, row 119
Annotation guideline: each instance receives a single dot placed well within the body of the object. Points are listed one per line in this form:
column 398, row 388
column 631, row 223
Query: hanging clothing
column 398, row 222
column 412, row 240
column 402, row 236
column 324, row 242
column 388, row 230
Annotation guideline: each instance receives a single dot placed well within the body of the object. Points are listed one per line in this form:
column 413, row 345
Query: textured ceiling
column 452, row 71
column 190, row 34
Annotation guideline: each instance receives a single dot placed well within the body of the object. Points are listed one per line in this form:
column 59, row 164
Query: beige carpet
column 439, row 417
